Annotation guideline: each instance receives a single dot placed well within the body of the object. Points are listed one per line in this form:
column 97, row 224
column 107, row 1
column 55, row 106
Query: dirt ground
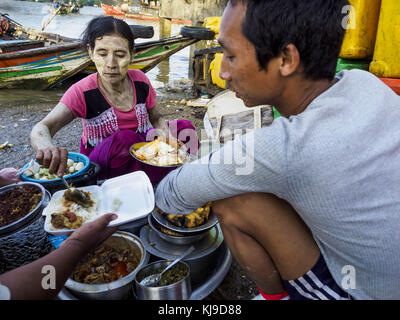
column 18, row 118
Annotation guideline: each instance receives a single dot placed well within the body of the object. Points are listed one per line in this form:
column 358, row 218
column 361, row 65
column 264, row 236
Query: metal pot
column 180, row 290
column 117, row 290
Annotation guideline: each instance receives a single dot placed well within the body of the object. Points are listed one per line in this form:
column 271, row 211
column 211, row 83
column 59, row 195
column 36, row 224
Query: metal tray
column 211, row 222
column 137, row 146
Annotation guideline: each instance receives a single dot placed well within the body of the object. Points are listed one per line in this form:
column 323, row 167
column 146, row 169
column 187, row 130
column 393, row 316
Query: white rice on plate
column 56, row 206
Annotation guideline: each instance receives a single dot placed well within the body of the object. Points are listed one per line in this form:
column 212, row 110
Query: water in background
column 35, row 14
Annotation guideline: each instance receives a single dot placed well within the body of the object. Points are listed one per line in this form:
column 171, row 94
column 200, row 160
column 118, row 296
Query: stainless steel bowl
column 30, row 216
column 138, row 145
column 184, row 239
column 162, row 220
column 180, row 290
column 117, row 290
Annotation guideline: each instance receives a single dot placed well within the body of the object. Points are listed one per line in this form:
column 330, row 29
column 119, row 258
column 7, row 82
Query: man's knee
column 229, row 210
column 249, row 207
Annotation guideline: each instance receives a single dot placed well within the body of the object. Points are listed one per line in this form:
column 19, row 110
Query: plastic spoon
column 152, row 280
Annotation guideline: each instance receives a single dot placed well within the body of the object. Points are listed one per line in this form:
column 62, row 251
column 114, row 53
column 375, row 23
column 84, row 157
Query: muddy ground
column 19, row 116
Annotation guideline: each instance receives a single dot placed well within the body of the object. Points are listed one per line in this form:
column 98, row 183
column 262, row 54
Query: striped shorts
column 317, row 284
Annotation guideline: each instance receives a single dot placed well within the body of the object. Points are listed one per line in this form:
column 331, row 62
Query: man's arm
column 42, row 135
column 25, row 283
column 251, row 163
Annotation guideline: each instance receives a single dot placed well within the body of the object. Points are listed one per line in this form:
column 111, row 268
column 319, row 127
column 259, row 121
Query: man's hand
column 53, row 158
column 92, row 234
column 9, row 176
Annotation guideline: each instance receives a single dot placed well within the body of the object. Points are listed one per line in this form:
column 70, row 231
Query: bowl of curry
column 175, row 284
column 20, row 204
column 108, row 272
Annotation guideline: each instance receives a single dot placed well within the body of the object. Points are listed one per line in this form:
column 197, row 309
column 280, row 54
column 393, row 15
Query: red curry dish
column 18, row 202
column 105, row 265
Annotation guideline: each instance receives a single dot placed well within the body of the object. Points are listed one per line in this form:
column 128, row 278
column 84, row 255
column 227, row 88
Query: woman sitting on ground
column 117, row 107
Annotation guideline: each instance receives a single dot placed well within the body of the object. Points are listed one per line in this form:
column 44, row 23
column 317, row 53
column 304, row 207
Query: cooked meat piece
column 57, row 220
column 63, row 220
column 115, row 264
column 71, row 216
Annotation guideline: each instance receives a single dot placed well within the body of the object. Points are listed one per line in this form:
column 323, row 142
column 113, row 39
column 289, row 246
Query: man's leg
column 267, row 238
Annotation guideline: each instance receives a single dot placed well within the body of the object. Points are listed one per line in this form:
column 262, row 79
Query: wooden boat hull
column 46, row 69
column 109, row 10
column 43, row 70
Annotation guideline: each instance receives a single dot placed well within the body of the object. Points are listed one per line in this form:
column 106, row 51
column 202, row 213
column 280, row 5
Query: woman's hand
column 9, row 176
column 53, row 158
column 50, row 156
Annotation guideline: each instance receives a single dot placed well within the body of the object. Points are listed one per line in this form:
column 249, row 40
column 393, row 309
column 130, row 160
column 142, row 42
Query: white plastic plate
column 130, row 196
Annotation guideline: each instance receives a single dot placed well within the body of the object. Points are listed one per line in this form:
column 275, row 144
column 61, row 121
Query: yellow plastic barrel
column 212, row 23
column 362, row 23
column 215, row 66
column 386, row 63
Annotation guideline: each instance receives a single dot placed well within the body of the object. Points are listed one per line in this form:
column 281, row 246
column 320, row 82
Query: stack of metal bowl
column 165, row 241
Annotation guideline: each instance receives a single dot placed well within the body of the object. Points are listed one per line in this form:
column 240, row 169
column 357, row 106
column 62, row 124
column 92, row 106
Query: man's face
column 240, row 67
column 112, row 57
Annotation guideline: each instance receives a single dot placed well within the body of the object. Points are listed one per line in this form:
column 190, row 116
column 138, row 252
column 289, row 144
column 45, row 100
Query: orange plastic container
column 386, row 63
column 359, row 40
column 394, row 84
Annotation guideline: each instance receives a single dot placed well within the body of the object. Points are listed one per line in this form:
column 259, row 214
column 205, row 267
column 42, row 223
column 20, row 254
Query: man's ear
column 290, row 58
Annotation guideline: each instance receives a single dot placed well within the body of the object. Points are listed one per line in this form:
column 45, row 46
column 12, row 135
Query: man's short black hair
column 315, row 27
column 106, row 25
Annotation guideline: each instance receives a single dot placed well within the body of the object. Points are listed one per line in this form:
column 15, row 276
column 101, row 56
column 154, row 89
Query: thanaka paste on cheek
column 124, row 65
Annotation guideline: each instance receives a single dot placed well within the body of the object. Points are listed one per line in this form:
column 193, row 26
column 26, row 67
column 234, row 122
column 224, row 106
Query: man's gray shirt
column 337, row 163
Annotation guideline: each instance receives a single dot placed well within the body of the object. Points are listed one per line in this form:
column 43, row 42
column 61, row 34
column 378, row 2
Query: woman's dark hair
column 315, row 27
column 105, row 25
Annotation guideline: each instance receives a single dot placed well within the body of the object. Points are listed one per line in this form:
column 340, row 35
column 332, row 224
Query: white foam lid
column 133, row 190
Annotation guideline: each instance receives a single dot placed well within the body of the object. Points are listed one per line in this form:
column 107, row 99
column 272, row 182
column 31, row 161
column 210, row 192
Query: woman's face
column 112, row 57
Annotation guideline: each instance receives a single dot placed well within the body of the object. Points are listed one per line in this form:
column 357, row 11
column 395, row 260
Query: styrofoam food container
column 133, row 191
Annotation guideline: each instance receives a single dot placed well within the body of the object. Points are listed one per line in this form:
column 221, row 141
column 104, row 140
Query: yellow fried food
column 159, row 153
column 191, row 220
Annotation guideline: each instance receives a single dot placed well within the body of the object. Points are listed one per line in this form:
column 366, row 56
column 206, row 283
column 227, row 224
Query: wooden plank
column 39, row 51
column 18, row 45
